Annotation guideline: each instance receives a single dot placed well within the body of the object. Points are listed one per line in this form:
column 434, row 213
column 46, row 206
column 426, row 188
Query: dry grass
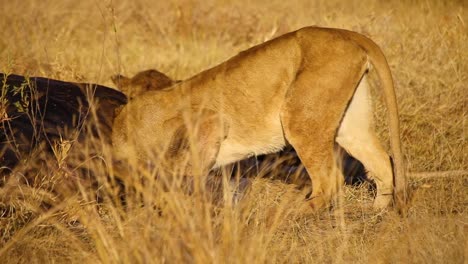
column 426, row 43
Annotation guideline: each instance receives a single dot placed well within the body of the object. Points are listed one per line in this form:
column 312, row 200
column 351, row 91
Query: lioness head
column 148, row 80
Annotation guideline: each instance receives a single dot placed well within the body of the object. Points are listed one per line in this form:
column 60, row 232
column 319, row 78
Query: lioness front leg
column 195, row 142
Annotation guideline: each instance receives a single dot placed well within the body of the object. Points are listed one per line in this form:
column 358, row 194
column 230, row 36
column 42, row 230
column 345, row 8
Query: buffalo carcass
column 38, row 112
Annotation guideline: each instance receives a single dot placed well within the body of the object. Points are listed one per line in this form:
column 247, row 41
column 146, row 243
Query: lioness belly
column 266, row 138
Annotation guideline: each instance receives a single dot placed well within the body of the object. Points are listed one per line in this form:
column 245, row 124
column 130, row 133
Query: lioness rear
column 307, row 88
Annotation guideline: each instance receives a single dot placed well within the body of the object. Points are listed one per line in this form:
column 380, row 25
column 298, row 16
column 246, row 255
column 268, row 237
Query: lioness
column 307, row 88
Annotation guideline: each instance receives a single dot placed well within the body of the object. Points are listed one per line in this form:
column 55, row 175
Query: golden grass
column 426, row 43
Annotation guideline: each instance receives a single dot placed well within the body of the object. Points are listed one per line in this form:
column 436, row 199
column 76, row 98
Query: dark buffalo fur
column 38, row 111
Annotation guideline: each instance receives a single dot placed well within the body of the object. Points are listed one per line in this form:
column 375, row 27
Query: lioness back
column 259, row 80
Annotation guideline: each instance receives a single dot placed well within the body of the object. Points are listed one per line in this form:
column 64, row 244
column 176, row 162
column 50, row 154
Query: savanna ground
column 55, row 218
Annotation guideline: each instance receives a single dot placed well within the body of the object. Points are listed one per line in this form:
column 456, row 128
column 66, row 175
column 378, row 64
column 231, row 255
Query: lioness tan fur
column 148, row 80
column 307, row 88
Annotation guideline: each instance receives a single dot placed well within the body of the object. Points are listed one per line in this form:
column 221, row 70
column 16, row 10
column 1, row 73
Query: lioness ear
column 120, row 81
column 152, row 80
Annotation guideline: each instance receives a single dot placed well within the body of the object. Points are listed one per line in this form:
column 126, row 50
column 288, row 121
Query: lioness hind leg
column 357, row 137
column 315, row 149
column 310, row 117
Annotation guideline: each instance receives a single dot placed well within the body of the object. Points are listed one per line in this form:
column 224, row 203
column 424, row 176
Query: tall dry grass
column 426, row 45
